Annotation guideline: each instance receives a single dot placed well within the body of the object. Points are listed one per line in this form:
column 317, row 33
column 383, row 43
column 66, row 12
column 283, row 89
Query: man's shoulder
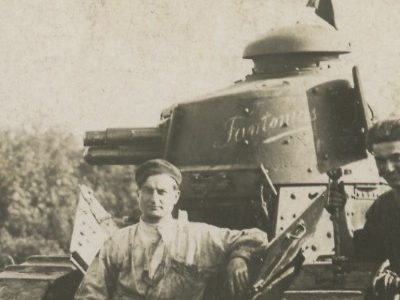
column 383, row 203
column 210, row 227
column 201, row 225
column 385, row 198
column 199, row 229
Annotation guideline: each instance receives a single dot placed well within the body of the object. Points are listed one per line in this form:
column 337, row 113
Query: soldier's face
column 389, row 168
column 157, row 197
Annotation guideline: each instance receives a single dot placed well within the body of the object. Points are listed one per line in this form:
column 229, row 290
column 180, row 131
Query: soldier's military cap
column 156, row 167
column 383, row 131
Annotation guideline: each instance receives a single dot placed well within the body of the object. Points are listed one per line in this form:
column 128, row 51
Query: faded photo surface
column 263, row 107
column 96, row 64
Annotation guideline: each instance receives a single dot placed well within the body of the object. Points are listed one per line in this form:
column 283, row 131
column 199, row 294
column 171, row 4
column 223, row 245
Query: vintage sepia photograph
column 212, row 150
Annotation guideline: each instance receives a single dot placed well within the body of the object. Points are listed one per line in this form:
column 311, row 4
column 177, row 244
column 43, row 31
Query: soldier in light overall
column 379, row 240
column 166, row 258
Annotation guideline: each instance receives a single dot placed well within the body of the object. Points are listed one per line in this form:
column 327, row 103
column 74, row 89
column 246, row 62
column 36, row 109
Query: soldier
column 379, row 240
column 164, row 258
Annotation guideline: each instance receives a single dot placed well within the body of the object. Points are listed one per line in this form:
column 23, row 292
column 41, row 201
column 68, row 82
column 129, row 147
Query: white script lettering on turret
column 267, row 127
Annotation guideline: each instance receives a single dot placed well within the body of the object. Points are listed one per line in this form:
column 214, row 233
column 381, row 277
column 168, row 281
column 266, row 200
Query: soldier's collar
column 161, row 223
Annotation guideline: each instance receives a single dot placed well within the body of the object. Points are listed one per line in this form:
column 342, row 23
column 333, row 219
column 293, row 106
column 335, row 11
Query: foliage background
column 39, row 175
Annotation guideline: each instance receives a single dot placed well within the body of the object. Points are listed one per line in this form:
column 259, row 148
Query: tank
column 253, row 155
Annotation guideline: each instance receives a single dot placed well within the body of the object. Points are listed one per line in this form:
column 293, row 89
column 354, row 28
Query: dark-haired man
column 164, row 258
column 379, row 240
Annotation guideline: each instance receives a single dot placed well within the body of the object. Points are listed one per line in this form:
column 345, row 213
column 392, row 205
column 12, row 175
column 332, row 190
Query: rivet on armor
column 347, row 171
column 292, row 196
column 312, row 195
column 309, row 170
column 313, row 248
column 246, row 142
column 294, row 216
column 329, row 235
column 246, row 110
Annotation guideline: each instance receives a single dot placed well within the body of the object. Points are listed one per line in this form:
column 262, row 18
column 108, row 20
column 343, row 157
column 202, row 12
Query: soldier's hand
column 238, row 276
column 336, row 197
column 386, row 283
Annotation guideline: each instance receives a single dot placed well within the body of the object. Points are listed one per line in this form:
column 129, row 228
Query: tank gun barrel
column 119, row 146
column 122, row 136
column 120, row 155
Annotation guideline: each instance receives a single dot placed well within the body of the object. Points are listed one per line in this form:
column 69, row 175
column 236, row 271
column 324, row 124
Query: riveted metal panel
column 339, row 130
column 92, row 226
column 294, row 200
column 271, row 126
column 282, row 252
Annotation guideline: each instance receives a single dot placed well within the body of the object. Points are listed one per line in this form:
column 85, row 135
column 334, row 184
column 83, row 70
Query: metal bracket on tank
column 266, row 207
column 300, row 231
column 170, row 132
column 269, row 181
column 263, row 203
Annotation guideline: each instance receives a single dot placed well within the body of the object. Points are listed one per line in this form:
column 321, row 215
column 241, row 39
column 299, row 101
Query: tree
column 39, row 175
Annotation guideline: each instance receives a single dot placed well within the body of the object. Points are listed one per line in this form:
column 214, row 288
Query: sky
column 94, row 64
